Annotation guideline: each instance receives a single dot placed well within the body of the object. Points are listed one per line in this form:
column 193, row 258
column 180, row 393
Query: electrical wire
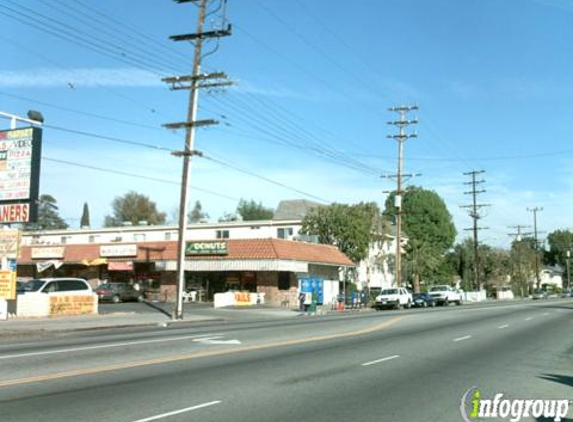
column 139, row 176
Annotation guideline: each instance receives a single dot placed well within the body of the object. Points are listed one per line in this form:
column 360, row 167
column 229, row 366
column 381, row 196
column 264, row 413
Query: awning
column 120, row 266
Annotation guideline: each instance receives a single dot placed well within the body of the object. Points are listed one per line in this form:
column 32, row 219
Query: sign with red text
column 20, row 152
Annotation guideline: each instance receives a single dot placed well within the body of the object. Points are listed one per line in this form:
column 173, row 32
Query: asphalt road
column 387, row 366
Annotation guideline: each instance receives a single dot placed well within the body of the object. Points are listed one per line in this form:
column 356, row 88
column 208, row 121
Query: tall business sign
column 20, row 152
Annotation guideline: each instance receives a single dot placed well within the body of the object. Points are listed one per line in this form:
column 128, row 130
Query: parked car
column 444, row 295
column 567, row 293
column 393, row 298
column 540, row 294
column 118, row 292
column 423, row 300
column 53, row 285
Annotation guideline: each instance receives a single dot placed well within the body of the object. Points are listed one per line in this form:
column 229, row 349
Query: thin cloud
column 79, row 77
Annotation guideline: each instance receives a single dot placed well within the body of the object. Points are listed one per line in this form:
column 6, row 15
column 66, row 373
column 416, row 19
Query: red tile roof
column 257, row 249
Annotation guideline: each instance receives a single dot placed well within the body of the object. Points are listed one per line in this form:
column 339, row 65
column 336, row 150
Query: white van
column 56, row 285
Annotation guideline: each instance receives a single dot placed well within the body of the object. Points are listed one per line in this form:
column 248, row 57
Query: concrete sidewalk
column 23, row 327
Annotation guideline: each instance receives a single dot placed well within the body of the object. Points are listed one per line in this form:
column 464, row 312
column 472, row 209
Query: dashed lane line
column 374, row 362
column 178, row 412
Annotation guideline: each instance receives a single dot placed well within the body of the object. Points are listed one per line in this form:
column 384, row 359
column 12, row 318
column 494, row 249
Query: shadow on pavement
column 158, row 308
column 561, row 379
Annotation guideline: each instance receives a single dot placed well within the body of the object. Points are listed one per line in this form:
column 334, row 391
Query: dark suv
column 118, row 292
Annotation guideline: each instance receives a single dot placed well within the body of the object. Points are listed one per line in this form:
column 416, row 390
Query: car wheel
column 116, row 299
column 460, row 302
column 140, row 298
column 433, row 304
column 408, row 305
column 398, row 305
column 425, row 304
column 446, row 302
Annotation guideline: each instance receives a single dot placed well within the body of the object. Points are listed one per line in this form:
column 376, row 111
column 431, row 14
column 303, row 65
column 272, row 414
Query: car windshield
column 32, row 286
column 389, row 292
column 106, row 286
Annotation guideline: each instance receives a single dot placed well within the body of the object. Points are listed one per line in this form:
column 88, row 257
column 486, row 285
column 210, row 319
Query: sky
column 307, row 114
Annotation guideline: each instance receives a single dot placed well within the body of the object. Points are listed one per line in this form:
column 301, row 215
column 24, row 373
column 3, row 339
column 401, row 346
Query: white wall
column 129, row 234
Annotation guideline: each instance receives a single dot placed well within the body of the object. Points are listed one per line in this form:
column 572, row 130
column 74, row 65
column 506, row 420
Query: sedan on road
column 423, row 300
column 540, row 294
column 118, row 292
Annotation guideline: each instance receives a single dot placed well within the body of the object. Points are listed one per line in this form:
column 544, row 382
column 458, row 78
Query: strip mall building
column 261, row 257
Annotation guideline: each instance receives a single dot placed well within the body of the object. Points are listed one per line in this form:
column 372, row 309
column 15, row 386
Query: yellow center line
column 196, row 355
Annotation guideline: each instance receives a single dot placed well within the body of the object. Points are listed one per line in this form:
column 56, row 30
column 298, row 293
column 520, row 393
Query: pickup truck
column 396, row 297
column 444, row 295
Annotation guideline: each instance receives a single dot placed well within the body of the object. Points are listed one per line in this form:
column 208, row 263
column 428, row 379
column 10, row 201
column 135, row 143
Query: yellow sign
column 8, row 285
column 73, row 304
column 10, row 243
column 242, row 298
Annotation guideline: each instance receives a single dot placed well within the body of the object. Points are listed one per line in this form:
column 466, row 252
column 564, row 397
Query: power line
column 80, row 112
column 76, row 39
column 266, row 179
column 135, row 175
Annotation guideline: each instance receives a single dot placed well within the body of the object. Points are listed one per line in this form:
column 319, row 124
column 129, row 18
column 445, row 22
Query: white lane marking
column 178, row 412
column 503, row 326
column 462, row 338
column 374, row 362
column 210, row 341
column 529, row 318
column 103, row 346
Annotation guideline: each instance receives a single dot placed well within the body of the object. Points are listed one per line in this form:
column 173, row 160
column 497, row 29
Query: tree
column 352, row 228
column 523, row 253
column 495, row 264
column 228, row 217
column 134, row 207
column 560, row 241
column 48, row 216
column 250, row 210
column 429, row 227
column 85, row 220
column 196, row 215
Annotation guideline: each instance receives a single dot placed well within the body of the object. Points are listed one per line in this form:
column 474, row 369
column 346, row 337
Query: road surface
column 404, row 366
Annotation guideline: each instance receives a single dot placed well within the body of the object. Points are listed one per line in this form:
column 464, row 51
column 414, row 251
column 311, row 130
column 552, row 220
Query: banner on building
column 206, row 248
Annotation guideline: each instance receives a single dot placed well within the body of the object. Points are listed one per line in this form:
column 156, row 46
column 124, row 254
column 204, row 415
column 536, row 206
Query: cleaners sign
column 20, row 151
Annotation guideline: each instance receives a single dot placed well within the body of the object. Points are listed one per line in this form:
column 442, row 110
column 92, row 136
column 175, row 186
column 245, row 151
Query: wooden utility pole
column 518, row 238
column 474, row 214
column 196, row 81
column 537, row 276
column 401, row 137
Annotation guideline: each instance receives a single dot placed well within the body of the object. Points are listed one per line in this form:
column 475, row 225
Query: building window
column 255, row 227
column 168, row 236
column 222, row 234
column 284, row 280
column 92, row 238
column 139, row 237
column 284, row 232
column 65, row 239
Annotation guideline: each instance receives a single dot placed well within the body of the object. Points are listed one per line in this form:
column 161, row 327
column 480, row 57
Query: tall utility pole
column 535, row 211
column 519, row 237
column 196, row 81
column 475, row 215
column 401, row 137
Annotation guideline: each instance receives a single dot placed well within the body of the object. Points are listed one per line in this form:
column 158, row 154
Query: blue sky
column 314, row 80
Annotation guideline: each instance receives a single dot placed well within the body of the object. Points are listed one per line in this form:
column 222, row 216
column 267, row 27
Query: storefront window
column 284, row 280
